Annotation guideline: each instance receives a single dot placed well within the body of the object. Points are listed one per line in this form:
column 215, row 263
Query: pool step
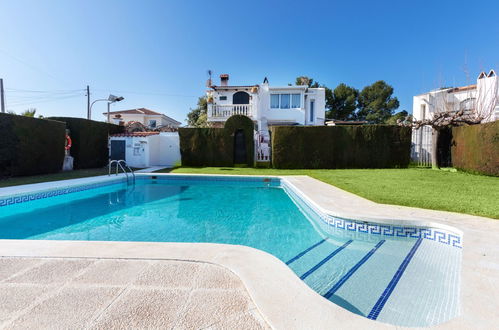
column 354, row 274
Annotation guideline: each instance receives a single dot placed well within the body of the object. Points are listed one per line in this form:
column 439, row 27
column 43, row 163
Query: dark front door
column 239, row 147
column 117, row 150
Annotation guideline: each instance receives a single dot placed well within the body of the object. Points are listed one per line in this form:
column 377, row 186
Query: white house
column 149, row 118
column 266, row 105
column 481, row 98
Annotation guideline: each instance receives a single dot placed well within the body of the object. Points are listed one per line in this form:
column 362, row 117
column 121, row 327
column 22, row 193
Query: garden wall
column 89, row 141
column 30, row 146
column 476, row 148
column 215, row 146
column 370, row 146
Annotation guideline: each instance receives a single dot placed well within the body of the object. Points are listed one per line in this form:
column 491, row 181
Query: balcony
column 219, row 112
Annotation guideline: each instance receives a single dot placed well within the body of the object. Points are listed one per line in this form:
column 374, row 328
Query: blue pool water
column 403, row 281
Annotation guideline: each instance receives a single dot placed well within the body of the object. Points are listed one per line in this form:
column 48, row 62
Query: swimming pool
column 401, row 275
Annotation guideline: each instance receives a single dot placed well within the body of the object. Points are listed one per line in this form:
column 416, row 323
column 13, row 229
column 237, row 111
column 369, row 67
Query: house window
column 312, row 111
column 285, row 98
column 274, row 101
column 285, row 101
column 223, row 98
column 295, row 101
column 152, row 123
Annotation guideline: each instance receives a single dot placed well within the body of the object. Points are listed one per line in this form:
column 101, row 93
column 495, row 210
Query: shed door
column 117, row 149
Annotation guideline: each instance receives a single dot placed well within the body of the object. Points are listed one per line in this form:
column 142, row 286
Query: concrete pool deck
column 280, row 297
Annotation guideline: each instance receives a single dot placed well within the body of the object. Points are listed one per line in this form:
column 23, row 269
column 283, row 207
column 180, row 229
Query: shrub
column 89, row 141
column 370, row 146
column 476, row 148
column 30, row 146
column 215, row 146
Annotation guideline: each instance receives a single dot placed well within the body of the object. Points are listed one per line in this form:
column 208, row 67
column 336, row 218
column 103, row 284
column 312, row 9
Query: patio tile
column 54, row 271
column 207, row 307
column 111, row 272
column 14, row 298
column 217, row 277
column 171, row 274
column 71, row 308
column 144, row 308
column 247, row 321
column 11, row 266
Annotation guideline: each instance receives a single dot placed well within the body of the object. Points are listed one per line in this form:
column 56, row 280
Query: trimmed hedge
column 476, row 148
column 30, row 146
column 205, row 147
column 89, row 141
column 370, row 146
column 215, row 146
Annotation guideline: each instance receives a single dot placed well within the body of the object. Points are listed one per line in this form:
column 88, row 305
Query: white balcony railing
column 227, row 110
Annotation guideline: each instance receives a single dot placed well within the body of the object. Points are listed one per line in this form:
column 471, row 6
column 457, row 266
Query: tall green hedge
column 30, row 146
column 476, row 148
column 369, row 146
column 215, row 146
column 89, row 141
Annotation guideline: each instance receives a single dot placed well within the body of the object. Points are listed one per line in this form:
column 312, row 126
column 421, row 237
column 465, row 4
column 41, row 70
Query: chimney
column 224, row 79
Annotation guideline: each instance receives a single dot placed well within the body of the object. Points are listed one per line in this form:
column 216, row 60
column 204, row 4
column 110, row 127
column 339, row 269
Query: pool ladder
column 121, row 164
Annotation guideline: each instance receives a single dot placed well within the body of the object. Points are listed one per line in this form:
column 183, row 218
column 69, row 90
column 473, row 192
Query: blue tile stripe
column 352, row 270
column 22, row 198
column 16, row 199
column 301, row 254
column 433, row 234
column 326, row 259
column 373, row 315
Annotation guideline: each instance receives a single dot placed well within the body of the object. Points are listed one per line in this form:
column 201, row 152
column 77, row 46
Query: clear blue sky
column 156, row 53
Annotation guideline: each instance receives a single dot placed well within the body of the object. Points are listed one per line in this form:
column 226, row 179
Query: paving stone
column 54, row 271
column 170, row 274
column 70, row 308
column 144, row 308
column 207, row 307
column 11, row 266
column 112, row 272
column 218, row 277
column 15, row 298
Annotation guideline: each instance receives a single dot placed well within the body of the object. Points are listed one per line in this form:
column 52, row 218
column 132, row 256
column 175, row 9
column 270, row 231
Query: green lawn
column 53, row 177
column 424, row 188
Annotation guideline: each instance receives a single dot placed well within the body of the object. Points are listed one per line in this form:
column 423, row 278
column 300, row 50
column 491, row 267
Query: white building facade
column 480, row 99
column 266, row 105
column 148, row 118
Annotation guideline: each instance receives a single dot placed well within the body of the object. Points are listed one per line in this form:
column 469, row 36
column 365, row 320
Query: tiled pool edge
column 389, row 228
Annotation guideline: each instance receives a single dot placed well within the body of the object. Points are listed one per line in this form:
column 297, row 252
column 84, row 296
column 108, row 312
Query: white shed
column 145, row 149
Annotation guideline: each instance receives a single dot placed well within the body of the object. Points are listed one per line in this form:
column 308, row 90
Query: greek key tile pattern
column 254, row 181
column 387, row 230
column 15, row 199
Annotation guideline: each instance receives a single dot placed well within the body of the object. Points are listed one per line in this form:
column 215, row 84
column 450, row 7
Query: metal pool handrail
column 119, row 164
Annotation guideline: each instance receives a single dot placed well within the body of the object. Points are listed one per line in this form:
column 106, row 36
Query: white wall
column 168, row 149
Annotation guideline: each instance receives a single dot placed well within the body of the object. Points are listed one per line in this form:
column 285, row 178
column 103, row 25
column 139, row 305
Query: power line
column 43, row 100
column 33, row 67
column 145, row 93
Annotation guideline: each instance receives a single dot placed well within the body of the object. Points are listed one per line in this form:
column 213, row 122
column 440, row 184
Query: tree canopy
column 304, row 80
column 341, row 102
column 198, row 116
column 376, row 103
